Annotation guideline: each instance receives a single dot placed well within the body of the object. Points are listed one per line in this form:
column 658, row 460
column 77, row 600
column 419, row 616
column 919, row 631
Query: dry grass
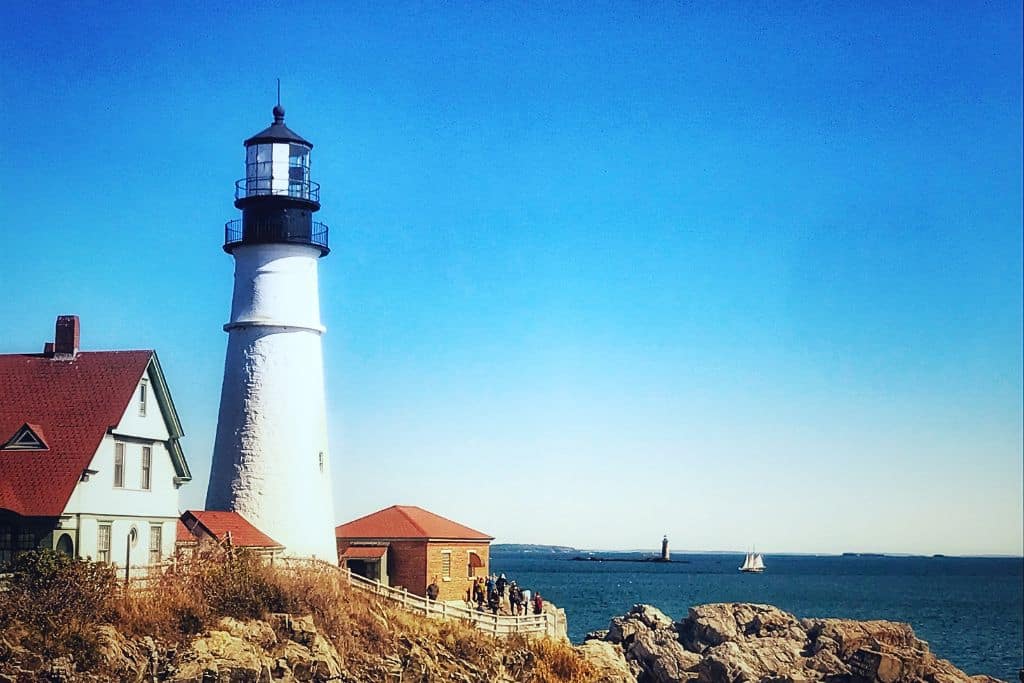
column 369, row 633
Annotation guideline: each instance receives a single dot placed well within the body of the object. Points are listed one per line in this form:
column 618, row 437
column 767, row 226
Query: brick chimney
column 65, row 343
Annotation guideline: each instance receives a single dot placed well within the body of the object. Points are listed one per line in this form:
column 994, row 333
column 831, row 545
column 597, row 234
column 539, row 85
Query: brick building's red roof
column 218, row 524
column 70, row 404
column 407, row 522
column 182, row 534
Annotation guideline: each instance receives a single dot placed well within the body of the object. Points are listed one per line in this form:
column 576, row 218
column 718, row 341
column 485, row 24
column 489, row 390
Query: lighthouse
column 270, row 456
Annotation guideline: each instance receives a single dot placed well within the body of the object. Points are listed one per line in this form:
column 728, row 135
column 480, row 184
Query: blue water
column 971, row 610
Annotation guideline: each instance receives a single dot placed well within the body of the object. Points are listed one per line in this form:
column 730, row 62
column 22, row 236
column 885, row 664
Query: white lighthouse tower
column 270, row 458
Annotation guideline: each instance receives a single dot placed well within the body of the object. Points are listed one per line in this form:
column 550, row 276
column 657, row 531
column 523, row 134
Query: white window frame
column 146, row 468
column 104, row 532
column 446, row 565
column 119, row 449
column 156, row 538
column 143, row 397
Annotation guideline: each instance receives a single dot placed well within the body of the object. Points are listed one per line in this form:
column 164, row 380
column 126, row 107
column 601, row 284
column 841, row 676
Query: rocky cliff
column 284, row 648
column 739, row 643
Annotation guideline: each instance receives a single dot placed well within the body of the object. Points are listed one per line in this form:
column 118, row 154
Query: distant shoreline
column 540, row 549
column 656, row 560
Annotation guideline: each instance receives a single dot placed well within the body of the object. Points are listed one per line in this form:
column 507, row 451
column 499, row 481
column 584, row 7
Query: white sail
column 754, row 562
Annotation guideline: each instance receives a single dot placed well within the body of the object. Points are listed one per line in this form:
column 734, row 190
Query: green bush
column 57, row 600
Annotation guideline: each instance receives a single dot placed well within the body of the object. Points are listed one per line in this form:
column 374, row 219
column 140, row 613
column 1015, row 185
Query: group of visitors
column 501, row 595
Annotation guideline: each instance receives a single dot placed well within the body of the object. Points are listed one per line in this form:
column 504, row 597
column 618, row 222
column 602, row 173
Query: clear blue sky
column 600, row 272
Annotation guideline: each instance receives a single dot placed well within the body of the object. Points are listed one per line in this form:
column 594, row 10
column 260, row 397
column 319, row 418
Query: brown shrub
column 558, row 661
column 192, row 594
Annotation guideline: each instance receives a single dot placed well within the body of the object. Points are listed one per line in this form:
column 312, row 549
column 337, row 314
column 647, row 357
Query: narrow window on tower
column 118, row 465
column 321, row 462
column 147, row 464
column 143, row 395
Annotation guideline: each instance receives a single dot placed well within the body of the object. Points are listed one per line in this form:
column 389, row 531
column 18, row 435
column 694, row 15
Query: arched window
column 66, row 545
column 475, row 563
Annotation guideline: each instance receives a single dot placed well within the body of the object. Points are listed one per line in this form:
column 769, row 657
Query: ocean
column 970, row 610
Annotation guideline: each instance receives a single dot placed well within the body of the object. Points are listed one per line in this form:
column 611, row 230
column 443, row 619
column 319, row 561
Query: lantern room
column 277, row 163
column 276, row 196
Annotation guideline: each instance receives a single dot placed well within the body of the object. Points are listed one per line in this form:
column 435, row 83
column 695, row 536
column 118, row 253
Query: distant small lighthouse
column 665, row 555
column 270, row 458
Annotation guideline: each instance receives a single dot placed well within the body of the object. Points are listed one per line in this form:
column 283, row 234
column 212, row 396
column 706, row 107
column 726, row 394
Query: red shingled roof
column 407, row 521
column 218, row 523
column 182, row 534
column 70, row 404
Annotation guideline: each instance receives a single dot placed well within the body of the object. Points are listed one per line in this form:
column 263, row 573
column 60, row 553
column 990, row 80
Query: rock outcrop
column 744, row 643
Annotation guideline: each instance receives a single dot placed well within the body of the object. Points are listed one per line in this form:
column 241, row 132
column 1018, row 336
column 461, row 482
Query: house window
column 6, row 544
column 446, row 564
column 26, row 540
column 103, row 543
column 147, row 466
column 25, row 440
column 118, row 465
column 143, row 395
column 155, row 541
column 474, row 563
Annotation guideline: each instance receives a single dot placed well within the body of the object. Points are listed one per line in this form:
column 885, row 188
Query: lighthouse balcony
column 236, row 233
column 268, row 186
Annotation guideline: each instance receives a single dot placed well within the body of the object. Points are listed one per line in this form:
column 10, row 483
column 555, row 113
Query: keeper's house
column 90, row 462
column 408, row 547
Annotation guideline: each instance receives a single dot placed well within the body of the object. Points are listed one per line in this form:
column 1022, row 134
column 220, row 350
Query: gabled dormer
column 28, row 437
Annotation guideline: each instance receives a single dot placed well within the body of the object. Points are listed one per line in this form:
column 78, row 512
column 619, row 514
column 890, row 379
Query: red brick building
column 407, row 546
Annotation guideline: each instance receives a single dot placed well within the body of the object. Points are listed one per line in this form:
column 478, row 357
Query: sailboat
column 754, row 563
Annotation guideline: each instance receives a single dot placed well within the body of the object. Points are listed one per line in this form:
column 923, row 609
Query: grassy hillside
column 55, row 607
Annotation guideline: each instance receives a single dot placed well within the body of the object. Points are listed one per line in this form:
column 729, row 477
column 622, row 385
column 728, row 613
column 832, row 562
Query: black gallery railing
column 261, row 234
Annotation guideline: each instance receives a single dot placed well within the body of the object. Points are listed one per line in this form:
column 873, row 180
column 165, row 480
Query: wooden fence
column 496, row 624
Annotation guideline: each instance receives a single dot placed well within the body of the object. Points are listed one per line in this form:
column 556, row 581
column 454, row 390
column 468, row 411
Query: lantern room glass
column 277, row 169
column 298, row 171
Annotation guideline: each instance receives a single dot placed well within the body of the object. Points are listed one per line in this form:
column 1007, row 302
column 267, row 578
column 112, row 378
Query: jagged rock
column 223, row 655
column 258, row 632
column 119, row 656
column 770, row 658
column 622, row 630
column 876, row 666
column 662, row 657
column 608, row 660
column 651, row 616
column 743, row 643
column 601, row 634
column 848, row 635
column 711, row 625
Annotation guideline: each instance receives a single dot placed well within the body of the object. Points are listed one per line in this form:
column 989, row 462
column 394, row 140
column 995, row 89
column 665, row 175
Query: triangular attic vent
column 27, row 438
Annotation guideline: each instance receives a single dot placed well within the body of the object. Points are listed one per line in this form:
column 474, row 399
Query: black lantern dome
column 276, row 196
